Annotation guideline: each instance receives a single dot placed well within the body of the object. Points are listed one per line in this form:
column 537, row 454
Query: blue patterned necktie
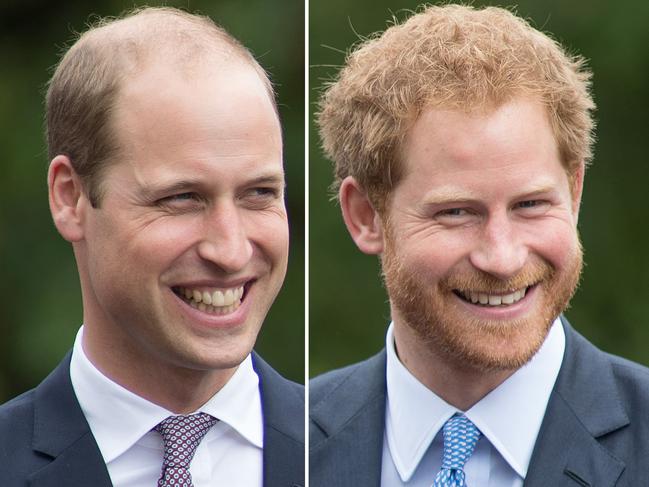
column 460, row 438
column 181, row 436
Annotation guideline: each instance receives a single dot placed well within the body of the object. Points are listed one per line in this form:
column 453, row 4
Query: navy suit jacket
column 45, row 440
column 595, row 431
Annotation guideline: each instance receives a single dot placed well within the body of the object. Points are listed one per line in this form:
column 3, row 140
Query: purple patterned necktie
column 181, row 436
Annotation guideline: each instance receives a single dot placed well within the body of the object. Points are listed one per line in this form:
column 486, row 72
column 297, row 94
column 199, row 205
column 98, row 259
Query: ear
column 577, row 189
column 362, row 220
column 67, row 199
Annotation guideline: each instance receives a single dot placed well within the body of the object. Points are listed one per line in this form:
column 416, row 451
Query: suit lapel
column 352, row 420
column 62, row 433
column 283, row 409
column 584, row 406
column 74, row 467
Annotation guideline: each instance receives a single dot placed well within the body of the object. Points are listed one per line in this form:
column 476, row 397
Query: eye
column 181, row 197
column 260, row 197
column 528, row 204
column 180, row 201
column 453, row 212
column 532, row 207
column 455, row 216
column 265, row 192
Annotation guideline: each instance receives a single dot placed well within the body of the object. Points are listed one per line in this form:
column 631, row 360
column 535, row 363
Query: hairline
column 118, row 43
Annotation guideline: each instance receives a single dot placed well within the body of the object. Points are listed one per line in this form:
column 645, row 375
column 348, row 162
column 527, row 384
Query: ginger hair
column 447, row 57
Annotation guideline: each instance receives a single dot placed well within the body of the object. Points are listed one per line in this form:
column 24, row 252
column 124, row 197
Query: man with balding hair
column 460, row 140
column 166, row 176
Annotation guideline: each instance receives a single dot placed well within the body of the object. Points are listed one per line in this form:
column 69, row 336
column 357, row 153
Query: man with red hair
column 460, row 140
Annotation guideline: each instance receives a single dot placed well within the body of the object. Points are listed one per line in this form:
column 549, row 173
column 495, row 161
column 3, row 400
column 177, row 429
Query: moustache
column 476, row 280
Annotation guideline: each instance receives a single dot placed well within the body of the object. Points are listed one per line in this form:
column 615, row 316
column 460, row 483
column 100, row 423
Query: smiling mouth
column 215, row 301
column 492, row 300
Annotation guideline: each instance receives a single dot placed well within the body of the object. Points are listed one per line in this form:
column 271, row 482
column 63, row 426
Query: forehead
column 221, row 115
column 513, row 142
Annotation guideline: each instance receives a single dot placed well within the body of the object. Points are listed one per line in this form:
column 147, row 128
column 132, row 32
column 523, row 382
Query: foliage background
column 40, row 304
column 348, row 310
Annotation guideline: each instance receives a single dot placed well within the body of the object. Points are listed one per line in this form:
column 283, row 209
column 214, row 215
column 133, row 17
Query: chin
column 504, row 350
column 208, row 357
column 483, row 346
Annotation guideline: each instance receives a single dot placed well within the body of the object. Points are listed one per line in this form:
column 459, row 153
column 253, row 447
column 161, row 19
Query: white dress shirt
column 509, row 418
column 231, row 453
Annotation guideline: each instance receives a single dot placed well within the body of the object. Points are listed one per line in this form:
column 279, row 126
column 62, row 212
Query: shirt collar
column 509, row 417
column 118, row 418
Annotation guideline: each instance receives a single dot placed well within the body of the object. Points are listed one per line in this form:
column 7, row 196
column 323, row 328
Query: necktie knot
column 181, row 436
column 460, row 439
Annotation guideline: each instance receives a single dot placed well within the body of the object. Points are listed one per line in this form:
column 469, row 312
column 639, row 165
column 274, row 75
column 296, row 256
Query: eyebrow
column 152, row 190
column 453, row 194
column 442, row 195
column 271, row 178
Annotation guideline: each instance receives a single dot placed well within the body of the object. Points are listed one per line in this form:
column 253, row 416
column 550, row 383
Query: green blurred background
column 348, row 310
column 40, row 308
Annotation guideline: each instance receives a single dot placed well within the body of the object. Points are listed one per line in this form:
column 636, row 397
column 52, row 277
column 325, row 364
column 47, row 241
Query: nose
column 500, row 251
column 225, row 242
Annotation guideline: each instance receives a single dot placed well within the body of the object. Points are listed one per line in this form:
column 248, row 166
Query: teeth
column 220, row 301
column 217, row 298
column 494, row 299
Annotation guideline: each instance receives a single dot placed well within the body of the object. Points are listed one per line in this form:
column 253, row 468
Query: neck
column 179, row 389
column 460, row 386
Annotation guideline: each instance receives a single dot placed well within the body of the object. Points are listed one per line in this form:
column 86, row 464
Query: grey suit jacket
column 45, row 440
column 595, row 431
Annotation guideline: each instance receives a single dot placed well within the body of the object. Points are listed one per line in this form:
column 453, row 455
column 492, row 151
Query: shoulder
column 369, row 373
column 347, row 420
column 351, row 396
column 630, row 378
column 272, row 381
column 608, row 395
column 16, row 417
column 282, row 401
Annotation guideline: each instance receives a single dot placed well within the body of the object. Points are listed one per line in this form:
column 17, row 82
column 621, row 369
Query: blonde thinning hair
column 450, row 57
column 85, row 87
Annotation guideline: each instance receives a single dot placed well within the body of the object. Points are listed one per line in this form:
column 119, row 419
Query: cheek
column 556, row 243
column 158, row 245
column 442, row 250
column 431, row 259
column 269, row 232
column 172, row 234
